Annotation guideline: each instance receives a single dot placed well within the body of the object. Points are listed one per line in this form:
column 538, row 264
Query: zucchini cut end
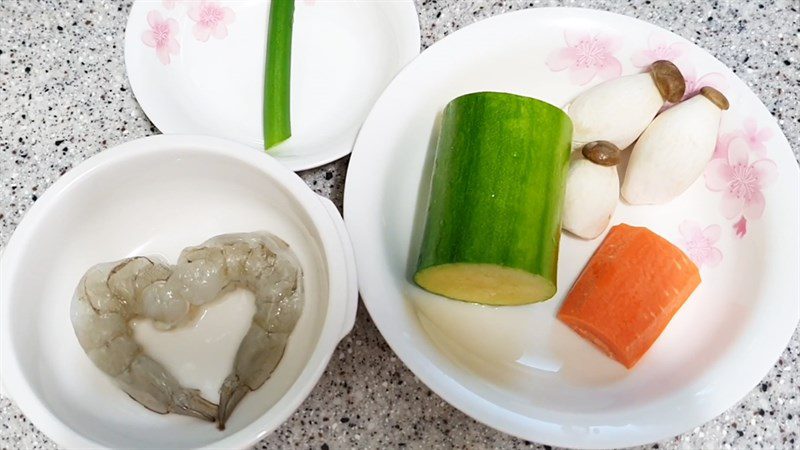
column 488, row 284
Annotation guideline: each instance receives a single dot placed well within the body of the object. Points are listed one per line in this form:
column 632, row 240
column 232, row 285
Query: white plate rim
column 373, row 290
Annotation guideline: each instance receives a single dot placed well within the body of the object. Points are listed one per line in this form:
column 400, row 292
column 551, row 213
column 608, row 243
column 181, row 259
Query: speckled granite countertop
column 64, row 96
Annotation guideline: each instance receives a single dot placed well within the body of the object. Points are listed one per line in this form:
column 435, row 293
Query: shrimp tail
column 147, row 382
column 189, row 402
column 230, row 394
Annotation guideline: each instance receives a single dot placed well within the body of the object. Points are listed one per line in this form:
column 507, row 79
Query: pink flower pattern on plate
column 211, row 20
column 169, row 4
column 740, row 227
column 658, row 48
column 161, row 36
column 741, row 182
column 694, row 82
column 699, row 243
column 755, row 137
column 723, row 141
column 586, row 56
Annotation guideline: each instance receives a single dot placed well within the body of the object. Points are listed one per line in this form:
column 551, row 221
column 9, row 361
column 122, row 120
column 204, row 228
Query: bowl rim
column 334, row 245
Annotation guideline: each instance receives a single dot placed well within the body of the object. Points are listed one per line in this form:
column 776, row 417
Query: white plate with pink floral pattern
column 197, row 67
column 518, row 369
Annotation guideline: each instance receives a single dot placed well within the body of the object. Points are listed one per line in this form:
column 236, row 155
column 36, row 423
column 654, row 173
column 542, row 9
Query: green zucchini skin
column 498, row 187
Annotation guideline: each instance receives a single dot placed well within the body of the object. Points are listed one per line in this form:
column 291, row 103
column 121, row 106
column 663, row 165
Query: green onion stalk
column 277, row 79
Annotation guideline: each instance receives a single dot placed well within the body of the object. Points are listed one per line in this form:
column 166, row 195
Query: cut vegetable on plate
column 592, row 189
column 277, row 76
column 619, row 110
column 627, row 294
column 494, row 217
column 674, row 150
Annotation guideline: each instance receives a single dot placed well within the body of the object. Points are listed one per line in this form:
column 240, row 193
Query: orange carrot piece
column 627, row 294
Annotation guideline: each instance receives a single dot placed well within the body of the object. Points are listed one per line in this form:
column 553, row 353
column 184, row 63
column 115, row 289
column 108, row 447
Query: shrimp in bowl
column 110, row 296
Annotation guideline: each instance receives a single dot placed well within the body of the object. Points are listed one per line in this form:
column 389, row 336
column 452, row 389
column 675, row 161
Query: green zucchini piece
column 494, row 219
column 277, row 74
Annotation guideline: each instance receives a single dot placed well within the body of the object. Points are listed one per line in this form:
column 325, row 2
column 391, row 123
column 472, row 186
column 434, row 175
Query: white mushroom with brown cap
column 673, row 151
column 619, row 110
column 592, row 189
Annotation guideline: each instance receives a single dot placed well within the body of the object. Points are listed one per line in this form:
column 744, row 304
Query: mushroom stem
column 672, row 152
column 591, row 195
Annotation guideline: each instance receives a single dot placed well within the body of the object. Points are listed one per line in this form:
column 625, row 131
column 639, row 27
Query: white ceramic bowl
column 156, row 196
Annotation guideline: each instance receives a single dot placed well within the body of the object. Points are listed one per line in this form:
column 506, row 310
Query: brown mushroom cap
column 668, row 80
column 602, row 153
column 716, row 97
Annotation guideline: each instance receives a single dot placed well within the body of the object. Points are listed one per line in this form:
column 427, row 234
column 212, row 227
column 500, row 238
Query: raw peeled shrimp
column 265, row 265
column 110, row 295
